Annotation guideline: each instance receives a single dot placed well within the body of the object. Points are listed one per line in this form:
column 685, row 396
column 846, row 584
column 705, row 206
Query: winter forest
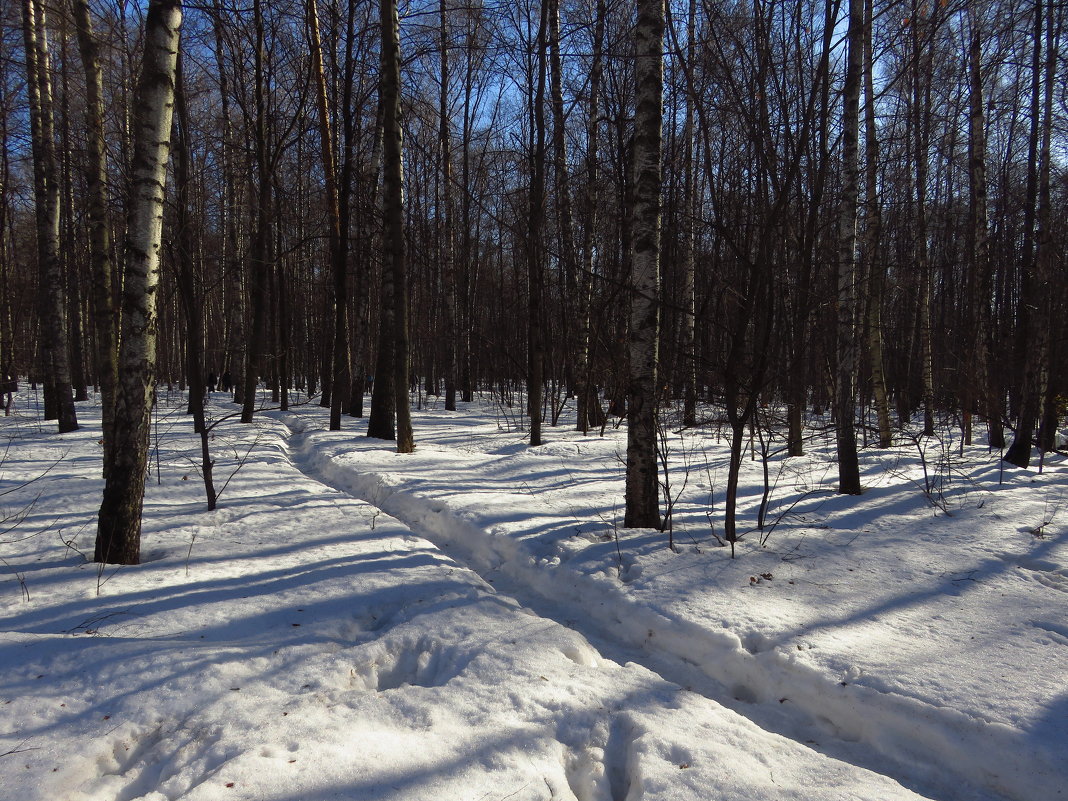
column 516, row 205
column 713, row 246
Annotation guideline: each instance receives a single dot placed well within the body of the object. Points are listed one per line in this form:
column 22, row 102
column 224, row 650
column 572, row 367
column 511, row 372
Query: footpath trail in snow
column 297, row 644
column 500, row 524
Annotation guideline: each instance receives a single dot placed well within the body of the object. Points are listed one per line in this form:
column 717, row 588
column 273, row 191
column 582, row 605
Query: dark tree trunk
column 845, row 374
column 190, row 281
column 52, row 302
column 397, row 372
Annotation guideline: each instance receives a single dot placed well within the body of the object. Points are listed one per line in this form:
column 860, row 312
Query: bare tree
column 190, row 275
column 338, row 235
column 105, row 336
column 393, row 211
column 642, row 488
column 979, row 235
column 52, row 300
column 873, row 225
column 534, row 249
column 259, row 255
column 589, row 411
column 448, row 239
column 845, row 388
column 118, row 538
column 1036, row 295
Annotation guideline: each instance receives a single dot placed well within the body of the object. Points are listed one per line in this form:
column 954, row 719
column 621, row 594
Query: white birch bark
column 642, row 488
column 119, row 527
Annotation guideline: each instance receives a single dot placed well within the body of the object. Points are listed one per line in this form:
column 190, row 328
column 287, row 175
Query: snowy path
column 933, row 750
column 298, row 645
column 471, row 632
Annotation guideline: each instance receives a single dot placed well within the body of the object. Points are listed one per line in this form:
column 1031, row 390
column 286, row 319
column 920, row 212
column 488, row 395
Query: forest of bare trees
column 718, row 207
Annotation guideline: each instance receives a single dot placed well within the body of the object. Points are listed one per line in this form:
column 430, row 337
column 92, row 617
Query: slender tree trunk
column 1036, row 294
column 234, row 305
column 341, row 365
column 71, row 260
column 381, row 424
column 534, row 249
column 466, row 255
column 353, row 299
column 979, row 240
column 7, row 339
column 102, row 270
column 189, row 284
column 46, row 195
column 800, row 338
column 872, row 236
column 642, row 486
column 589, row 411
column 448, row 246
column 368, row 232
column 255, row 357
column 571, row 302
column 1026, row 300
column 688, row 320
column 393, row 211
column 921, row 103
column 118, row 539
column 1045, row 256
column 845, row 387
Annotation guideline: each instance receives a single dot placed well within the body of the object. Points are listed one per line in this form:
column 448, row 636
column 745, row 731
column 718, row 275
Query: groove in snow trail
column 938, row 752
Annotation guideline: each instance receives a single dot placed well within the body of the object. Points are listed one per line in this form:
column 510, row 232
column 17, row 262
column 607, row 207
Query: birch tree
column 118, row 537
column 642, row 488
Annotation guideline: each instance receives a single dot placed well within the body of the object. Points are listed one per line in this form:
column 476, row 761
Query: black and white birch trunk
column 118, row 539
column 642, row 486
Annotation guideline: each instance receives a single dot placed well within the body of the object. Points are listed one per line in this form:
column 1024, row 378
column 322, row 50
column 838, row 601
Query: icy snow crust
column 469, row 622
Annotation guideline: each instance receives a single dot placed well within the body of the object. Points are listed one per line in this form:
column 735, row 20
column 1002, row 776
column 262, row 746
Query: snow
column 471, row 622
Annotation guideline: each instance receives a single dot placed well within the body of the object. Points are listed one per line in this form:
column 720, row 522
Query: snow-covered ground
column 471, row 623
